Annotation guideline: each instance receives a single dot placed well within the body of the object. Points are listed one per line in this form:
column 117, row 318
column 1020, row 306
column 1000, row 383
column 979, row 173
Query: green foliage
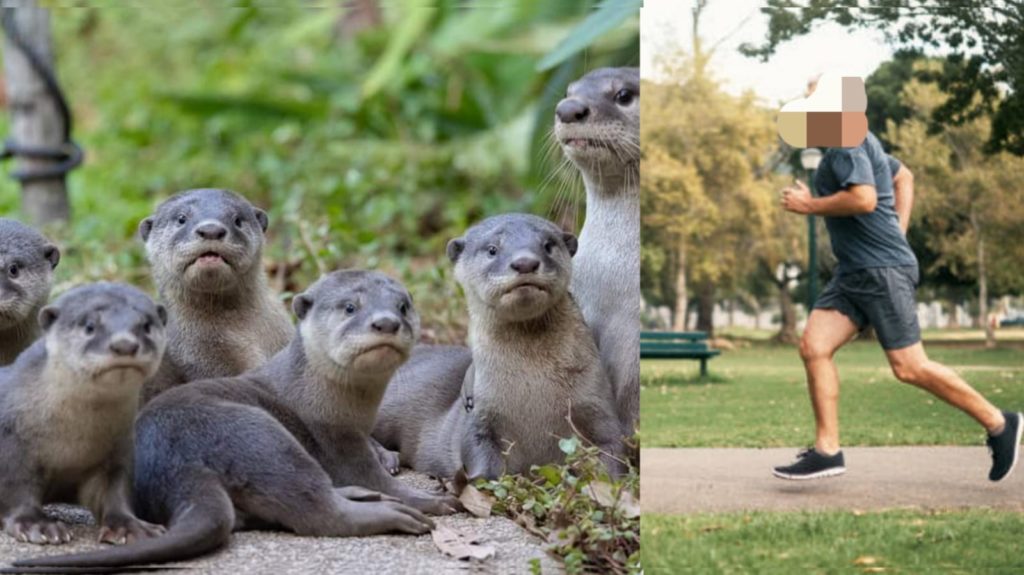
column 591, row 522
column 984, row 41
column 371, row 138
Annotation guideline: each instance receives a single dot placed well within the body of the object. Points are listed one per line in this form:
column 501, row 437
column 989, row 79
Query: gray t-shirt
column 872, row 240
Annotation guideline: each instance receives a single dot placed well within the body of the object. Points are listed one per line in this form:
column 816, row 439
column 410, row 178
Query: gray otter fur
column 27, row 261
column 205, row 248
column 533, row 363
column 67, row 405
column 598, row 128
column 267, row 448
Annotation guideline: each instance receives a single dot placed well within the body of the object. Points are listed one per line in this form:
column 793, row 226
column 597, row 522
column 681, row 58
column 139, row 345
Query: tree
column 985, row 39
column 973, row 203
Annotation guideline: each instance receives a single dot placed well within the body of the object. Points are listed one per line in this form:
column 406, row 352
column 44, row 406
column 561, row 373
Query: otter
column 205, row 248
column 534, row 363
column 27, row 261
column 67, row 405
column 268, row 448
column 597, row 125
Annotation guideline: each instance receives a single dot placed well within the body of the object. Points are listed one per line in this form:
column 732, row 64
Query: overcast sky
column 783, row 77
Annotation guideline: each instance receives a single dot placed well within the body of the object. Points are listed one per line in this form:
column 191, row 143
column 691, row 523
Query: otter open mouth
column 585, row 144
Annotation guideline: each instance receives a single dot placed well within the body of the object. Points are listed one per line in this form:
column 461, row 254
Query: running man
column 865, row 197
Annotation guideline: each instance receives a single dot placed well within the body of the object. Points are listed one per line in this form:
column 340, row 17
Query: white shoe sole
column 830, row 472
column 1016, row 447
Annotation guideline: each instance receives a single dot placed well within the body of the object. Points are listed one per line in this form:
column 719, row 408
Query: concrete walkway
column 721, row 480
column 283, row 553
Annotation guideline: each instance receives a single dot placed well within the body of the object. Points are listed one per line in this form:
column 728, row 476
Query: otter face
column 27, row 261
column 517, row 265
column 357, row 320
column 204, row 240
column 109, row 335
column 597, row 124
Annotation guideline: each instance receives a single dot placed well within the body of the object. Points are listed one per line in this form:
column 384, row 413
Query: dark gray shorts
column 880, row 297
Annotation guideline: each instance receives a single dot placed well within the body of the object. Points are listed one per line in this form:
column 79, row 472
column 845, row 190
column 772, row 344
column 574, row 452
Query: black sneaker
column 1005, row 447
column 812, row 465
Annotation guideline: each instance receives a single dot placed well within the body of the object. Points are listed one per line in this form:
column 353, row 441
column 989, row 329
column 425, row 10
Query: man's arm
column 852, row 201
column 903, row 195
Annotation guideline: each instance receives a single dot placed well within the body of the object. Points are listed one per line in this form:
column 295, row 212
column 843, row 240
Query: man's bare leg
column 827, row 330
column 911, row 365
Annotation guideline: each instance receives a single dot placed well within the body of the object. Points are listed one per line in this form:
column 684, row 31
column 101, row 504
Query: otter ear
column 571, row 243
column 47, row 316
column 455, row 249
column 161, row 312
column 301, row 305
column 52, row 255
column 145, row 227
column 262, row 218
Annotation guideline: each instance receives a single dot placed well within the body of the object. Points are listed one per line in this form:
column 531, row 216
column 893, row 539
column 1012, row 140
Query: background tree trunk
column 787, row 332
column 682, row 297
column 706, row 308
column 35, row 115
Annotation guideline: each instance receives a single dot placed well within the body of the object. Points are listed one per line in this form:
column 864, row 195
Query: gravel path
column 283, row 553
column 720, row 480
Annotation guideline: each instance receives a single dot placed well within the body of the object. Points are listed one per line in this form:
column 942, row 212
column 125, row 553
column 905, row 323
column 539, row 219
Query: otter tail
column 202, row 524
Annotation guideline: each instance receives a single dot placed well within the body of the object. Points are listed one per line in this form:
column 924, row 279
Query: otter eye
column 624, row 97
column 147, row 327
column 89, row 327
column 492, row 250
column 549, row 246
column 182, row 218
column 350, row 308
column 13, row 271
column 403, row 308
column 238, row 221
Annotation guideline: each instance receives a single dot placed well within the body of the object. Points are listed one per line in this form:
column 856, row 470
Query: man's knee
column 909, row 371
column 811, row 350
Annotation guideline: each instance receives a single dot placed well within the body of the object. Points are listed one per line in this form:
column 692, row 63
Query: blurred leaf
column 607, row 17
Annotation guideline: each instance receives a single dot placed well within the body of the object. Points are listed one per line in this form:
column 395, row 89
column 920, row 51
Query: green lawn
column 976, row 541
column 756, row 397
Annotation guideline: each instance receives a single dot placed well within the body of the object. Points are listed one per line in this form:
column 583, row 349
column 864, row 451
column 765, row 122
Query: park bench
column 677, row 345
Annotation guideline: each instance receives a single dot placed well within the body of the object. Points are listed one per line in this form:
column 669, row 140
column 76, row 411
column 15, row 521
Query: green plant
column 590, row 521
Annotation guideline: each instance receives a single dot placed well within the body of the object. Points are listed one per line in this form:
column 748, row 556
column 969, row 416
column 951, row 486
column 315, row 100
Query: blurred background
column 372, row 131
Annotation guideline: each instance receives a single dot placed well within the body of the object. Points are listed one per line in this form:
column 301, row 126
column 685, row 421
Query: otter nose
column 211, row 231
column 570, row 110
column 525, row 264
column 124, row 346
column 385, row 324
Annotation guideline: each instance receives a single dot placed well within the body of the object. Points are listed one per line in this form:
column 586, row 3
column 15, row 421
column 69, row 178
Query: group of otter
column 179, row 422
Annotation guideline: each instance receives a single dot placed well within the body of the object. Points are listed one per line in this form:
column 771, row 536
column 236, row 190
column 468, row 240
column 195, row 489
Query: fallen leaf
column 873, row 570
column 476, row 502
column 602, row 493
column 459, row 545
column 865, row 560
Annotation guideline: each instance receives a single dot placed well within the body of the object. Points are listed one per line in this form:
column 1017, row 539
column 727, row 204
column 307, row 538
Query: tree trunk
column 787, row 333
column 990, row 334
column 951, row 322
column 682, row 297
column 36, row 119
column 706, row 309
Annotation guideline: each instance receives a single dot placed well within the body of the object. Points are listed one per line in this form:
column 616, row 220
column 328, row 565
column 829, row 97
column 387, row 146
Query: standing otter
column 205, row 248
column 27, row 261
column 267, row 448
column 533, row 363
column 598, row 128
column 67, row 405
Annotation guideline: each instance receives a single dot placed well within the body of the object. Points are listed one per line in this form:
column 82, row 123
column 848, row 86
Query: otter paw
column 356, row 493
column 120, row 530
column 438, row 504
column 41, row 531
column 389, row 459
